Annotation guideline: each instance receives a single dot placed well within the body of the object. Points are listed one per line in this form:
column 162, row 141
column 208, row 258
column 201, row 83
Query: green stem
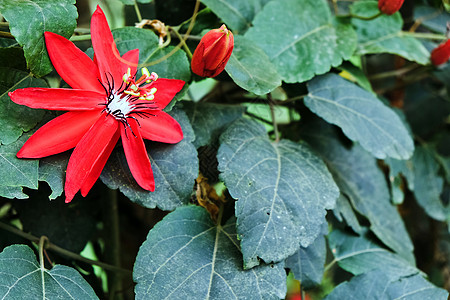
column 361, row 17
column 62, row 251
column 424, row 35
column 138, row 12
column 42, row 242
column 79, row 38
column 274, row 121
column 185, row 47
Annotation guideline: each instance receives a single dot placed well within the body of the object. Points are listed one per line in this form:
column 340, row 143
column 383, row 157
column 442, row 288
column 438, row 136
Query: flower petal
column 72, row 64
column 137, row 156
column 87, row 152
column 130, row 60
column 160, row 128
column 58, row 99
column 58, row 135
column 166, row 90
column 98, row 166
column 104, row 45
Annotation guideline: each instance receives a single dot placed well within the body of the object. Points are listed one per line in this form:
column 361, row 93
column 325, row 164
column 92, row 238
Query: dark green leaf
column 23, row 278
column 344, row 212
column 174, row 67
column 283, row 191
column 175, row 168
column 359, row 255
column 251, row 69
column 359, row 178
column 17, row 173
column 209, row 120
column 52, row 170
column 307, row 264
column 384, row 35
column 300, row 39
column 361, row 116
column 187, row 256
column 432, row 18
column 14, row 118
column 237, row 14
column 28, row 19
column 428, row 184
column 377, row 285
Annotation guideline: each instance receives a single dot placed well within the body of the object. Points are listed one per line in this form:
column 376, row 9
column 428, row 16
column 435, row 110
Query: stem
column 177, row 47
column 62, row 251
column 361, row 17
column 274, row 121
column 328, row 267
column 185, row 47
column 112, row 243
column 79, row 38
column 394, row 73
column 42, row 242
column 424, row 35
column 138, row 12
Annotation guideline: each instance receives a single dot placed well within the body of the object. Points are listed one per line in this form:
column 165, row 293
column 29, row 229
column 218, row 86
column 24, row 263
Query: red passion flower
column 213, row 52
column 389, row 7
column 106, row 102
column 441, row 54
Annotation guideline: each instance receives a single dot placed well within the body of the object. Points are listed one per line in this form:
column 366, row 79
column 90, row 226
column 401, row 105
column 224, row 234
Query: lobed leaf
column 282, row 191
column 186, row 256
column 29, row 19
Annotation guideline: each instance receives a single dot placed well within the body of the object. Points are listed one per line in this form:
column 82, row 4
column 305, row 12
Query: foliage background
column 326, row 138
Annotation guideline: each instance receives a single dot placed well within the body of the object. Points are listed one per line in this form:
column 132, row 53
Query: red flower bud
column 389, row 7
column 441, row 54
column 213, row 52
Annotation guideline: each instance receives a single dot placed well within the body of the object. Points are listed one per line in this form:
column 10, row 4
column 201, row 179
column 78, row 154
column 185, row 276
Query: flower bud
column 441, row 54
column 213, row 52
column 389, row 7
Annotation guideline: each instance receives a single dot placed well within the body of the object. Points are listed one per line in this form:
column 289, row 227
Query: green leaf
column 344, row 212
column 251, row 69
column 300, row 38
column 237, row 14
column 357, row 174
column 29, row 19
column 175, row 168
column 432, row 18
column 23, row 278
column 428, row 184
column 377, row 285
column 359, row 255
column 16, row 173
column 384, row 35
column 69, row 226
column 174, row 67
column 361, row 116
column 307, row 264
column 208, row 120
column 283, row 191
column 52, row 170
column 187, row 255
column 14, row 118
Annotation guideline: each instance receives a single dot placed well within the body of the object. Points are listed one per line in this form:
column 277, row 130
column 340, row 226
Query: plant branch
column 138, row 12
column 361, row 17
column 182, row 40
column 274, row 121
column 67, row 253
column 79, row 38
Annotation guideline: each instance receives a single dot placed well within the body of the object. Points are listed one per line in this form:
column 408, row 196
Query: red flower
column 389, row 7
column 106, row 103
column 441, row 54
column 213, row 52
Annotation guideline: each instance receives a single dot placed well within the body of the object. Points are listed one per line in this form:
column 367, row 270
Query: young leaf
column 29, row 19
column 361, row 116
column 384, row 35
column 283, row 191
column 300, row 38
column 187, row 255
column 23, row 278
column 14, row 118
column 208, row 120
column 359, row 178
column 251, row 69
column 175, row 168
column 237, row 14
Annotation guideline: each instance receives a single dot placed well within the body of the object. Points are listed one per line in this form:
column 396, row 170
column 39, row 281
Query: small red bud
column 389, row 7
column 213, row 52
column 441, row 54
